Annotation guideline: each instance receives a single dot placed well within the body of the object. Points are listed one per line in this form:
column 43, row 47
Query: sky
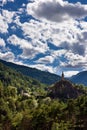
column 49, row 35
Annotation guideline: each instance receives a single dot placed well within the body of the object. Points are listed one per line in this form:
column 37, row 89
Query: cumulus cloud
column 8, row 15
column 30, row 49
column 5, row 1
column 84, row 35
column 57, row 10
column 3, row 25
column 45, row 60
column 70, row 36
column 6, row 18
column 56, row 32
column 78, row 49
column 43, row 67
column 2, row 42
column 8, row 56
column 70, row 73
column 67, row 35
column 74, row 60
column 58, row 53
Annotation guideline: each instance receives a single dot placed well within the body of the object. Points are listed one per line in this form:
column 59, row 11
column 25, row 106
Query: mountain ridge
column 9, row 76
column 46, row 77
column 42, row 76
column 80, row 78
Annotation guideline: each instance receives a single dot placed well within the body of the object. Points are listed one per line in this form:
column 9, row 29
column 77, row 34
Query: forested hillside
column 10, row 77
column 19, row 112
column 25, row 104
column 42, row 76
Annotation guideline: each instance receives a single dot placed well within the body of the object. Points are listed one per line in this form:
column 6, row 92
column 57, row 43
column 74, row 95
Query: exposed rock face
column 64, row 89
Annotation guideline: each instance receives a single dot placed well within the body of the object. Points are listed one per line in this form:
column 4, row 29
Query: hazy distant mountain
column 80, row 78
column 42, row 76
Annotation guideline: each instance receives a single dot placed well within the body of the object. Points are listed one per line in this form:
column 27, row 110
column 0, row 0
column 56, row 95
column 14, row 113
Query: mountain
column 10, row 77
column 42, row 76
column 46, row 77
column 24, row 108
column 80, row 78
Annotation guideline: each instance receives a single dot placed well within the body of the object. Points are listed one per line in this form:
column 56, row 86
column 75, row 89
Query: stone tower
column 62, row 76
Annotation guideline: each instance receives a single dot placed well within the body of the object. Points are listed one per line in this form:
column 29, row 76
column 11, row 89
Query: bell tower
column 62, row 77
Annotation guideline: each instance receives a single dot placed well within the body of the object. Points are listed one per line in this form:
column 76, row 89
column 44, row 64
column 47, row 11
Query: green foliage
column 42, row 76
column 40, row 114
column 9, row 77
column 17, row 118
column 25, row 105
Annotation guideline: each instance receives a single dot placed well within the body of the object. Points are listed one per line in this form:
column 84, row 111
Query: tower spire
column 62, row 75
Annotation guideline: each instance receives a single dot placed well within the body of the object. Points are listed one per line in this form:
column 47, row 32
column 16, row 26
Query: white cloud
column 74, row 61
column 56, row 24
column 33, row 29
column 5, row 1
column 46, row 31
column 46, row 60
column 43, row 67
column 16, row 41
column 70, row 73
column 6, row 18
column 68, row 35
column 65, row 35
column 2, row 42
column 30, row 49
column 57, row 10
column 8, row 56
column 58, row 53
column 3, row 25
column 8, row 15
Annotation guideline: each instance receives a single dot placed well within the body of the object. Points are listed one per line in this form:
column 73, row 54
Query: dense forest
column 42, row 76
column 25, row 104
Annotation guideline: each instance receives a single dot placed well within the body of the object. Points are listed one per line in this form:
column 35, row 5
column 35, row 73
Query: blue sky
column 49, row 35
